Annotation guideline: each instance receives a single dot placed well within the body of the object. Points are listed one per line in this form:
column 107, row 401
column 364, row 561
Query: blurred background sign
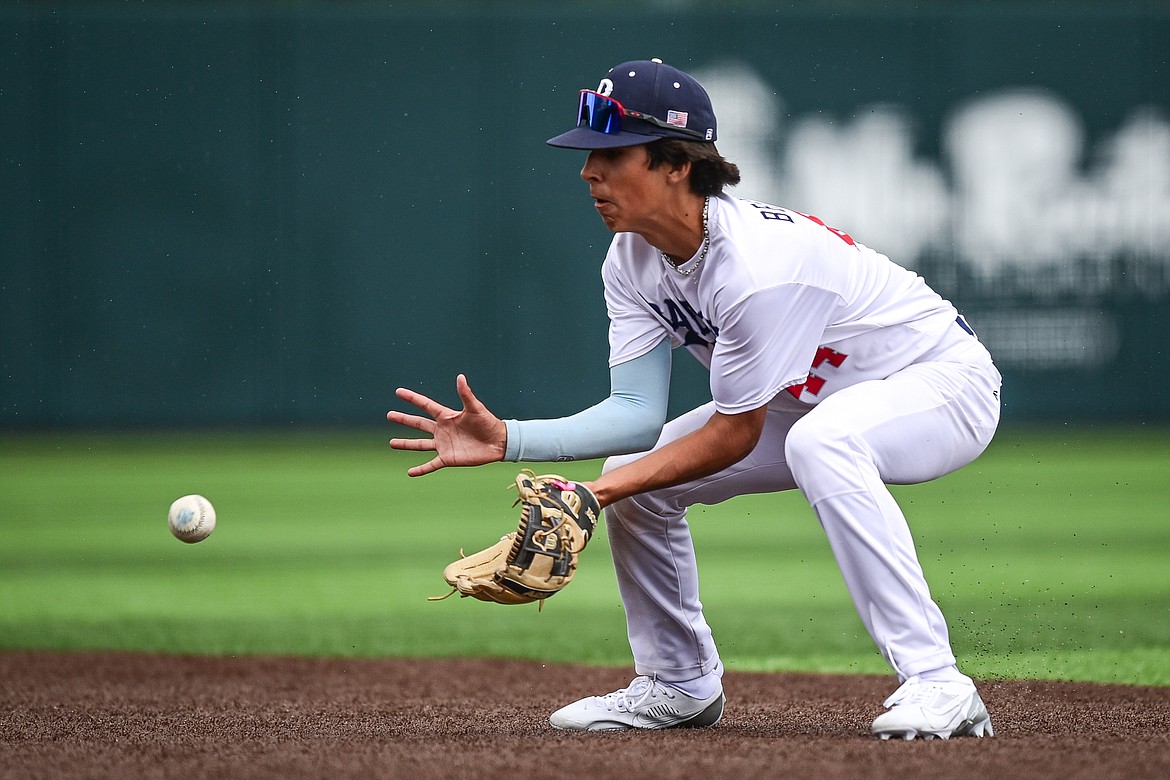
column 275, row 214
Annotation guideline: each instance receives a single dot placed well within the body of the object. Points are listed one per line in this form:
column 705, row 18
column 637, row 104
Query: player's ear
column 679, row 172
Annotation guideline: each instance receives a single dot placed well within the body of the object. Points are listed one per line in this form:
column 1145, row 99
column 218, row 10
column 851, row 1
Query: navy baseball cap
column 638, row 102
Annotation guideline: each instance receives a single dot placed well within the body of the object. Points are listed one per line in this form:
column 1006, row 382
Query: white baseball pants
column 919, row 424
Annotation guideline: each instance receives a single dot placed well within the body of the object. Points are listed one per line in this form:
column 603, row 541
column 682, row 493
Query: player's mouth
column 606, row 209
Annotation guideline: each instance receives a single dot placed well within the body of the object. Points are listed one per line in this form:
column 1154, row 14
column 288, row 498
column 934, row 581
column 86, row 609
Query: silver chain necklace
column 702, row 249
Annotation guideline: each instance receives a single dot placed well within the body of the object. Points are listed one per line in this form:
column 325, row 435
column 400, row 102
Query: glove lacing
column 541, row 534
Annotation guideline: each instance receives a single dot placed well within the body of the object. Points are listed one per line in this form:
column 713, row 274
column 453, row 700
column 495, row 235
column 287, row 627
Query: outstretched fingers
column 470, row 436
column 428, row 405
column 423, row 424
column 415, row 445
column 426, row 468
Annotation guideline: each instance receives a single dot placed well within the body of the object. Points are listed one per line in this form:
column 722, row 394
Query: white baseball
column 191, row 519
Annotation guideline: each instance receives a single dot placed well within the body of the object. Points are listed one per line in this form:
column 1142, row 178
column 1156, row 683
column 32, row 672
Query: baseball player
column 834, row 371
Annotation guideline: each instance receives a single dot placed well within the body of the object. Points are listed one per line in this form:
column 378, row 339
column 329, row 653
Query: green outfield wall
column 274, row 214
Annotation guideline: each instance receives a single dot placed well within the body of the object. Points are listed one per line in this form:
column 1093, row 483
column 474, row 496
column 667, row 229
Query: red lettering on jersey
column 841, row 234
column 824, row 353
column 814, row 384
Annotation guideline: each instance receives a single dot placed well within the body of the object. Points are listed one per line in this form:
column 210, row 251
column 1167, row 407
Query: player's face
column 625, row 191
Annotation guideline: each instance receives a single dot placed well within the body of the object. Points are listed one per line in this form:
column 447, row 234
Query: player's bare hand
column 471, row 436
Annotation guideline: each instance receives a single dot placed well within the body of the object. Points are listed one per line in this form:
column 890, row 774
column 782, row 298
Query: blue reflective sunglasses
column 604, row 114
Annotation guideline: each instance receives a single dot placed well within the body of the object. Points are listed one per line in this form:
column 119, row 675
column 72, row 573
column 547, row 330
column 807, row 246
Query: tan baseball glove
column 539, row 558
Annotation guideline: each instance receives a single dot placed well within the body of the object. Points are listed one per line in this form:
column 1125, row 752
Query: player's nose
column 589, row 171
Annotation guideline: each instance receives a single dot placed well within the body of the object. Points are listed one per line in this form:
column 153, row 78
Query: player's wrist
column 500, row 445
column 591, row 487
column 510, row 450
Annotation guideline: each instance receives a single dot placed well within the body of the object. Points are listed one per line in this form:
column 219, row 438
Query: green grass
column 1050, row 556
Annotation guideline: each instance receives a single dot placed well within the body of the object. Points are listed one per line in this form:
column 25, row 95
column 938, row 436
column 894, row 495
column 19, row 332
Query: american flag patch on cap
column 676, row 118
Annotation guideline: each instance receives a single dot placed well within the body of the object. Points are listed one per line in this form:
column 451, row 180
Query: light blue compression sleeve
column 629, row 420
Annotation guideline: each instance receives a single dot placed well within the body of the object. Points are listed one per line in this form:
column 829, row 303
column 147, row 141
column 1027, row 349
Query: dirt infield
column 128, row 716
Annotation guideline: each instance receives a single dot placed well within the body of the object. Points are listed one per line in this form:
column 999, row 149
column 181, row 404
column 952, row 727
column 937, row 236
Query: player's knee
column 803, row 443
column 811, row 444
column 638, row 514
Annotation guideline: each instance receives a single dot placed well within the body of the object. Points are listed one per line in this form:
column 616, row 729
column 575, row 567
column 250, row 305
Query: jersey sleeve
column 633, row 329
column 767, row 342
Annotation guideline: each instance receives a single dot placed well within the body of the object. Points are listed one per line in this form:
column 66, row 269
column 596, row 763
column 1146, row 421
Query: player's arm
column 629, row 420
column 722, row 442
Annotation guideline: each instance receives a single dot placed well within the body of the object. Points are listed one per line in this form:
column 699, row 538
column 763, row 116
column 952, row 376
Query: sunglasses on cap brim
column 604, row 114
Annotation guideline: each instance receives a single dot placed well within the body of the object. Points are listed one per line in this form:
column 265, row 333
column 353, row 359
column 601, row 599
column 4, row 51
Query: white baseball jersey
column 787, row 312
column 780, row 302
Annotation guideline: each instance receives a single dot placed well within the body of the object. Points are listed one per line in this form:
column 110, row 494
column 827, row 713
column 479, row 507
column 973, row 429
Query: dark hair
column 710, row 173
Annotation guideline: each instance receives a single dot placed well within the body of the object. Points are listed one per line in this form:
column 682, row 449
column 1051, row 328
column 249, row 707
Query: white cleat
column 926, row 709
column 645, row 704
